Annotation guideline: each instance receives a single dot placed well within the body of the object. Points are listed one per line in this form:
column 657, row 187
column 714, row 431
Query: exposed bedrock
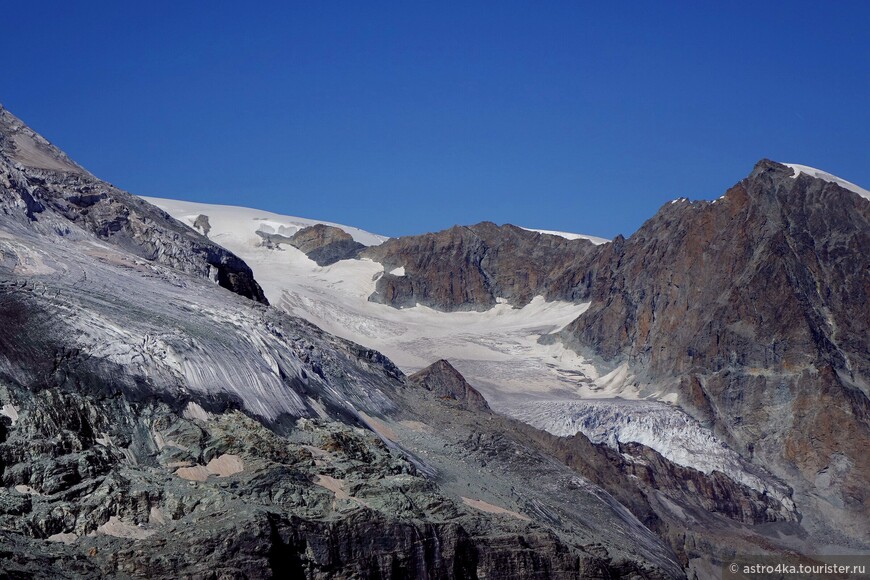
column 325, row 244
column 39, row 183
column 470, row 267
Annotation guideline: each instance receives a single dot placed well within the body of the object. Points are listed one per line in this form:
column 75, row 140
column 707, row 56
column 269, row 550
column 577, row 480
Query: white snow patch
column 231, row 225
column 117, row 528
column 26, row 490
column 824, row 175
column 29, row 151
column 156, row 516
column 489, row 508
column 10, row 411
column 400, row 271
column 226, row 465
column 569, row 236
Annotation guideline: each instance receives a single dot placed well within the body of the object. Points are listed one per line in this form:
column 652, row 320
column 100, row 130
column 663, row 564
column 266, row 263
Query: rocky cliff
column 447, row 383
column 62, row 197
column 471, row 267
column 757, row 305
column 325, row 244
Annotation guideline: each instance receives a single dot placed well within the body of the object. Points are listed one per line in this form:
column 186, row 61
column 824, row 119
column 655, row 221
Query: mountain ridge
column 725, row 305
column 152, row 400
column 55, row 189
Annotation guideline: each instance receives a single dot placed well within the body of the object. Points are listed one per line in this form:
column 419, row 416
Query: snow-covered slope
column 824, row 175
column 664, row 428
column 497, row 350
column 235, row 225
column 569, row 236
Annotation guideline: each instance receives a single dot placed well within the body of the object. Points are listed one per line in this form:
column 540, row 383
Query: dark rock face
column 760, row 304
column 325, row 244
column 773, row 275
column 467, row 268
column 201, row 224
column 755, row 307
column 446, row 382
column 47, row 187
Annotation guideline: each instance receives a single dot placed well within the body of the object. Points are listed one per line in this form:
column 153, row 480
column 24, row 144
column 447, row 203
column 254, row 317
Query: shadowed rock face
column 468, row 267
column 54, row 191
column 325, row 244
column 446, row 382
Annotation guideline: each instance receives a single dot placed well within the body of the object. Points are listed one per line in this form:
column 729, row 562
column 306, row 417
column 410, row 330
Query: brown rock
column 467, row 268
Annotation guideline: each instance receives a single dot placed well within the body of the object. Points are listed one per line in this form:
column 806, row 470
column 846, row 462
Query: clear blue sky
column 409, row 116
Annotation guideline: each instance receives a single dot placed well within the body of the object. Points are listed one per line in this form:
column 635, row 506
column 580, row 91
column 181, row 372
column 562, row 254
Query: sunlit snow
column 825, row 176
column 569, row 236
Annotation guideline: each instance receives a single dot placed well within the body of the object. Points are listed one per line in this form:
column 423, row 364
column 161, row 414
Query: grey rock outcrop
column 202, row 224
column 325, row 244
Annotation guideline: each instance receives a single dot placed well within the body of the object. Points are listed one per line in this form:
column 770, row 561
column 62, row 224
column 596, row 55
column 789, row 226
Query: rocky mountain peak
column 26, row 148
column 756, row 304
column 46, row 192
column 443, row 380
column 475, row 267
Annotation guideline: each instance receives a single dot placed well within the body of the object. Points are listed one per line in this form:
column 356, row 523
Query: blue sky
column 408, row 117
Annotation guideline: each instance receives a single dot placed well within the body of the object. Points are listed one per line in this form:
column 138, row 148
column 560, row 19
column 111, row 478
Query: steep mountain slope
column 757, row 308
column 54, row 191
column 153, row 424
